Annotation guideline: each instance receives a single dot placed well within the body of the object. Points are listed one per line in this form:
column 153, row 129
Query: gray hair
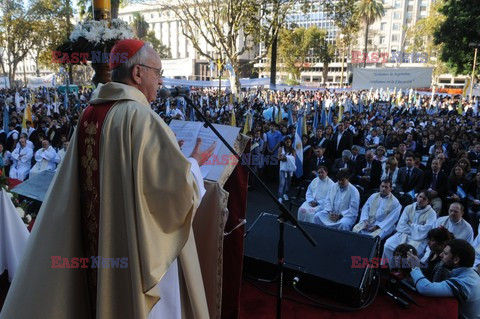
column 123, row 71
column 346, row 153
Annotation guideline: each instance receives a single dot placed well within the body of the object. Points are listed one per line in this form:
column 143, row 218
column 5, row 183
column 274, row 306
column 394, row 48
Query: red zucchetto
column 123, row 50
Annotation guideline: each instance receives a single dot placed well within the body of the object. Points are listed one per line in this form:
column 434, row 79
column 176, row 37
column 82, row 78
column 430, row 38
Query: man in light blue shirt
column 464, row 281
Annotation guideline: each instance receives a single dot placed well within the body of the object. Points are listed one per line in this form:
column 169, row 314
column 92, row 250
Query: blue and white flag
column 323, row 118
column 298, row 146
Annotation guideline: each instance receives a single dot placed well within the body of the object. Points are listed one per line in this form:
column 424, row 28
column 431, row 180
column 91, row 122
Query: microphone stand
column 285, row 215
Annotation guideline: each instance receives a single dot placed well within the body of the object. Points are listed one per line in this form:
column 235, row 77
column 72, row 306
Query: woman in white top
column 380, row 154
column 286, row 155
column 316, row 195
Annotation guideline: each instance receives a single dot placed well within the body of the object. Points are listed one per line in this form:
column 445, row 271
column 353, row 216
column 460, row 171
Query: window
column 398, row 4
column 151, row 15
column 394, row 37
column 410, row 8
column 382, row 40
column 397, row 15
column 383, row 26
column 423, row 8
column 396, row 27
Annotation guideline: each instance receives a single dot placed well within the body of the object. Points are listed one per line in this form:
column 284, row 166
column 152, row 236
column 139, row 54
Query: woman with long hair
column 457, row 185
column 286, row 155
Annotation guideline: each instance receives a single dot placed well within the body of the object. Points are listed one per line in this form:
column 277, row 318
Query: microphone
column 174, row 92
column 398, row 300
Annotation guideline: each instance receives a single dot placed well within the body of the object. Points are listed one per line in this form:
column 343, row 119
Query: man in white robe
column 380, row 213
column 21, row 160
column 476, row 246
column 146, row 206
column 341, row 207
column 415, row 222
column 316, row 196
column 455, row 224
column 46, row 159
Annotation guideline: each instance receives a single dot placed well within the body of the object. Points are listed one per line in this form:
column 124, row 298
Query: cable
column 319, row 304
column 313, row 302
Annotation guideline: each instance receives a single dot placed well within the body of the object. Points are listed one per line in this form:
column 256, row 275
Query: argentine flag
column 299, row 147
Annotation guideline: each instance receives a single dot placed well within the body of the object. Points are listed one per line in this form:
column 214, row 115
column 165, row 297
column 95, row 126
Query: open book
column 214, row 167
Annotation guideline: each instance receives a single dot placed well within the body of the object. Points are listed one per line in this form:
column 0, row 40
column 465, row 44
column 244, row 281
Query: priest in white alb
column 341, row 207
column 415, row 222
column 380, row 213
column 46, row 159
column 316, row 195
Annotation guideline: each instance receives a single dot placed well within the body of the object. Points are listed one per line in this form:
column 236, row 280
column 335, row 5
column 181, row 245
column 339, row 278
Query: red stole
column 89, row 132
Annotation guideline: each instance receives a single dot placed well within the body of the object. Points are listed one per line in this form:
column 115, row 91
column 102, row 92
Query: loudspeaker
column 333, row 268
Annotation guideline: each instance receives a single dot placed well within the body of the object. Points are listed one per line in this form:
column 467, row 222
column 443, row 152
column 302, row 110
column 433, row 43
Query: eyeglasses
column 158, row 72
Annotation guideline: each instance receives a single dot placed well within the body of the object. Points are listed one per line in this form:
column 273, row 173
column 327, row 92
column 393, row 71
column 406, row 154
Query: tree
column 226, row 29
column 368, row 11
column 326, row 56
column 162, row 50
column 15, row 34
column 422, row 38
column 460, row 27
column 140, row 29
column 296, row 47
column 139, row 25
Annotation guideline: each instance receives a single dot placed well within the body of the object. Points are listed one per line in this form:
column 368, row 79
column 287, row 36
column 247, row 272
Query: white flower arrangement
column 20, row 212
column 99, row 32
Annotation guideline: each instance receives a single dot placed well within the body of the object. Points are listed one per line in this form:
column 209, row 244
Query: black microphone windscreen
column 165, row 93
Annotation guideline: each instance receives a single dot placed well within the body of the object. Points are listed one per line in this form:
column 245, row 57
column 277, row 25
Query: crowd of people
column 390, row 164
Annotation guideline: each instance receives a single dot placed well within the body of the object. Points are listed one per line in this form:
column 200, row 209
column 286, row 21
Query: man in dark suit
column 344, row 162
column 409, row 177
column 342, row 140
column 474, row 156
column 368, row 172
column 436, row 182
column 356, row 157
column 318, row 160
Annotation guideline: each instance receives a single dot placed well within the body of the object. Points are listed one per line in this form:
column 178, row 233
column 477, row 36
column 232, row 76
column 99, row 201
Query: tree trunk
column 366, row 45
column 235, row 84
column 115, row 4
column 325, row 73
column 273, row 62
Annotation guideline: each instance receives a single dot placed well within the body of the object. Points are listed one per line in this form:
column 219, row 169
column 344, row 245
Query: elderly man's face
column 150, row 78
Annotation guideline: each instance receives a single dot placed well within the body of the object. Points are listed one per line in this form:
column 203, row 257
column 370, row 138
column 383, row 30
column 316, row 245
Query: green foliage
column 422, row 36
column 369, row 11
column 162, row 50
column 460, row 28
column 295, row 46
column 140, row 29
column 139, row 25
column 344, row 14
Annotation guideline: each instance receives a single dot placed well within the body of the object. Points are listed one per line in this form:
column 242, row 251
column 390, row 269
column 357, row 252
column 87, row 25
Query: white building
column 168, row 30
column 386, row 35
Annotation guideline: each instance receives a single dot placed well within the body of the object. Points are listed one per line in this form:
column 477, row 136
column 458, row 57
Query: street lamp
column 475, row 45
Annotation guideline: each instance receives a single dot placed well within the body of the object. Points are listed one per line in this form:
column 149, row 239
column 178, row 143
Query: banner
column 39, row 81
column 401, row 78
column 177, row 67
column 4, row 82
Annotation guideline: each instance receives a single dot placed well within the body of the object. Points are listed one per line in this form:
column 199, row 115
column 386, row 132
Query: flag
column 323, row 119
column 6, row 118
column 192, row 114
column 248, row 123
column 27, row 116
column 304, row 124
column 233, row 120
column 290, row 116
column 279, row 116
column 167, row 107
column 17, row 101
column 466, row 87
column 65, row 99
column 315, row 120
column 340, row 112
column 299, row 146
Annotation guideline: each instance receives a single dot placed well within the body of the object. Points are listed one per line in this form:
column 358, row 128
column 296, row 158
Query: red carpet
column 259, row 305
